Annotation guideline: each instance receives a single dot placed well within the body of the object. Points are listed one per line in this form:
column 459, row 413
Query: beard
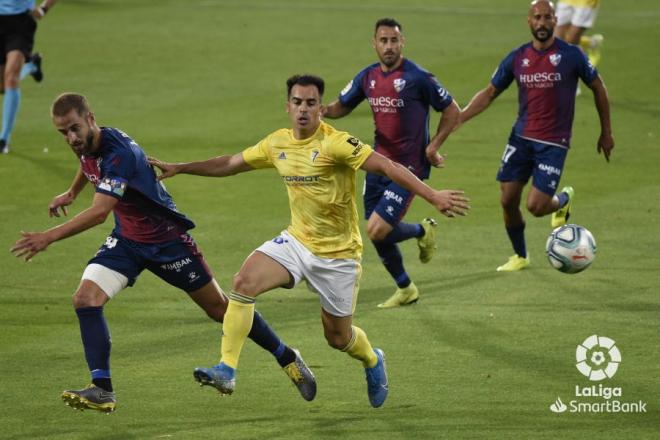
column 542, row 34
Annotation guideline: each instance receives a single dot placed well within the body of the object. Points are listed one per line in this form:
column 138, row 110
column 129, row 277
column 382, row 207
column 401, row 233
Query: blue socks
column 563, row 199
column 404, row 231
column 393, row 261
column 517, row 237
column 96, row 341
column 28, row 69
column 389, row 252
column 10, row 106
column 266, row 338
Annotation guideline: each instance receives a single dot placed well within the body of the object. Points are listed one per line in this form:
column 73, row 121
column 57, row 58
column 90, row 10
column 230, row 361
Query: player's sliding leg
column 213, row 301
column 259, row 273
column 235, row 329
column 342, row 335
column 88, row 302
column 515, row 226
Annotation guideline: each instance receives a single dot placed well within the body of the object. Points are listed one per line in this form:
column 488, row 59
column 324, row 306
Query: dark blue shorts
column 179, row 262
column 523, row 158
column 388, row 199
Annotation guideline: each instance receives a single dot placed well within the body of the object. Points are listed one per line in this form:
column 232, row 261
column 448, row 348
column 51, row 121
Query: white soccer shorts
column 577, row 16
column 335, row 280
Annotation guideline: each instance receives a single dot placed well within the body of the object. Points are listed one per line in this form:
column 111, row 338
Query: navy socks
column 517, row 237
column 266, row 338
column 96, row 342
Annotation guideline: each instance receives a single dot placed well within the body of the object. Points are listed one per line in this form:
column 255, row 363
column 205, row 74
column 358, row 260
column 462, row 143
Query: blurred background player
column 149, row 234
column 574, row 17
column 322, row 244
column 547, row 71
column 400, row 93
column 18, row 24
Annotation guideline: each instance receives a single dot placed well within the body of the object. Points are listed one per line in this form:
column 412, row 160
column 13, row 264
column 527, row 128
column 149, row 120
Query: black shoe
column 91, row 397
column 38, row 75
column 4, row 148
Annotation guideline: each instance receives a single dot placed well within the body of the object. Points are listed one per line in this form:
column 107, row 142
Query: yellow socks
column 236, row 326
column 360, row 348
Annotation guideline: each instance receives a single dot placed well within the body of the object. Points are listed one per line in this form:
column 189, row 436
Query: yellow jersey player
column 322, row 245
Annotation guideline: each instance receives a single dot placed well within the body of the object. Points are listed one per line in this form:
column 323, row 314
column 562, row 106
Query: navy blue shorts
column 524, row 158
column 179, row 262
column 388, row 199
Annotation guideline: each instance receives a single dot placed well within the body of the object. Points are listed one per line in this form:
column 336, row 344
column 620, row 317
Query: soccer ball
column 570, row 248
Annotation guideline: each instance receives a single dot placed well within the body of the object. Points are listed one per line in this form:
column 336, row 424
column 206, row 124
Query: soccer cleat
column 515, row 262
column 593, row 49
column 560, row 217
column 377, row 386
column 302, row 377
column 91, row 397
column 426, row 243
column 4, row 148
column 38, row 74
column 402, row 297
column 221, row 377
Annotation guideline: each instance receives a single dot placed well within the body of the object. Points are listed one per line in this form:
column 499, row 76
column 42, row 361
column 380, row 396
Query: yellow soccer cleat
column 515, row 262
column 91, row 397
column 402, row 297
column 426, row 243
column 593, row 49
column 561, row 216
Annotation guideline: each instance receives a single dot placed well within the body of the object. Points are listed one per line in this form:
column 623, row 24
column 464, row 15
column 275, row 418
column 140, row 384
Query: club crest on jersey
column 555, row 59
column 282, row 156
column 525, row 62
column 399, row 84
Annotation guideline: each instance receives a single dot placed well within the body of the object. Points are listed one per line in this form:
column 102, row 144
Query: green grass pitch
column 482, row 355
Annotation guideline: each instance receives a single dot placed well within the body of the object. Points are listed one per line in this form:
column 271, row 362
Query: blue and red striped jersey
column 547, row 81
column 400, row 101
column 145, row 212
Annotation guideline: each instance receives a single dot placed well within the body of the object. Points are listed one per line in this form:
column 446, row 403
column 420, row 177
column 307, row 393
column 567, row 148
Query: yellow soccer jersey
column 319, row 174
column 582, row 3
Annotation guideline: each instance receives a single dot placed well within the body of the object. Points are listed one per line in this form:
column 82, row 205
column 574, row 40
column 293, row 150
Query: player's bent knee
column 105, row 284
column 376, row 232
column 244, row 284
column 536, row 209
column 337, row 340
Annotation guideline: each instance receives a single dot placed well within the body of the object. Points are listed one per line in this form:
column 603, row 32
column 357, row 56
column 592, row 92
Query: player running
column 322, row 245
column 399, row 93
column 547, row 71
column 149, row 233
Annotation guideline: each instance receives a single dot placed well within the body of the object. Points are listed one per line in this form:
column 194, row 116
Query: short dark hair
column 305, row 80
column 66, row 102
column 389, row 22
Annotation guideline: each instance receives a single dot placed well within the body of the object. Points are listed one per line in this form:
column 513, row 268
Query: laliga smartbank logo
column 598, row 358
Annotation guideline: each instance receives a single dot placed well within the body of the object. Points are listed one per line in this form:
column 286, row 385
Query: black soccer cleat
column 38, row 74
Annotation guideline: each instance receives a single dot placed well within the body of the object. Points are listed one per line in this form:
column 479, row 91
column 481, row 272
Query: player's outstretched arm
column 605, row 140
column 479, row 102
column 31, row 243
column 449, row 202
column 60, row 202
column 335, row 110
column 448, row 122
column 219, row 166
